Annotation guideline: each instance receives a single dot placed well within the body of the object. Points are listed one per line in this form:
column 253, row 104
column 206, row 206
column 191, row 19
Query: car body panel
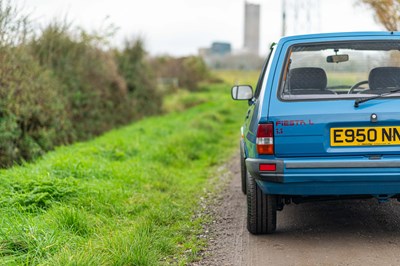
column 308, row 133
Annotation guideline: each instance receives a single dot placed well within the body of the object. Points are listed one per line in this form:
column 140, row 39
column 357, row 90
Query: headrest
column 304, row 78
column 384, row 77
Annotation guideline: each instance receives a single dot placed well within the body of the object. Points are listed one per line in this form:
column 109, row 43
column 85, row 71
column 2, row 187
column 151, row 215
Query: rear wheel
column 261, row 209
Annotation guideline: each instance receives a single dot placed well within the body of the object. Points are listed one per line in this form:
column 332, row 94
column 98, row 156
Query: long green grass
column 126, row 198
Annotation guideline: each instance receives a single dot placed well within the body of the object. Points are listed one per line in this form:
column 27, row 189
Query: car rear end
column 329, row 125
column 324, row 144
column 332, row 150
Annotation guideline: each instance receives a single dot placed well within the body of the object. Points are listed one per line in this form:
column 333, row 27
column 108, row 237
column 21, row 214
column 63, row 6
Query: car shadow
column 353, row 218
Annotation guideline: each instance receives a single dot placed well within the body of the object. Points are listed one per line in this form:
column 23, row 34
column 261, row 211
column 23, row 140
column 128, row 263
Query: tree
column 387, row 12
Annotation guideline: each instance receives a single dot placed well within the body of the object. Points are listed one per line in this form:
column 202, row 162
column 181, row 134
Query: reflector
column 267, row 167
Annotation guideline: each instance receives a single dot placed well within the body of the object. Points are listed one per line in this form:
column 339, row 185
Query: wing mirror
column 242, row 92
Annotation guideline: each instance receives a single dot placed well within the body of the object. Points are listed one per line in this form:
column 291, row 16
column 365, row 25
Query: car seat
column 383, row 79
column 307, row 80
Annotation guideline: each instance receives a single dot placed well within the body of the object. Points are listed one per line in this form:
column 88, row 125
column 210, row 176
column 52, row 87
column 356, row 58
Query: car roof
column 360, row 34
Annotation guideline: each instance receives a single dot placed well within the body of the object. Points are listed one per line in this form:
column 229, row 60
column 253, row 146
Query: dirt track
column 328, row 233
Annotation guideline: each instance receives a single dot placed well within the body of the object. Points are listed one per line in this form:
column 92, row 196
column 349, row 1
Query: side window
column 262, row 74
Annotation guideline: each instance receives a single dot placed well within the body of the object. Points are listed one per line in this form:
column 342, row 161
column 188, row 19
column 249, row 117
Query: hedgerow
column 60, row 85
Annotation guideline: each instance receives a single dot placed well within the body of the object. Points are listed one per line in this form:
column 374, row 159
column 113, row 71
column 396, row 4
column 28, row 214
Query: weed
column 73, row 220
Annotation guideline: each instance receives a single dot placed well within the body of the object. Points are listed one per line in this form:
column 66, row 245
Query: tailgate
column 332, row 128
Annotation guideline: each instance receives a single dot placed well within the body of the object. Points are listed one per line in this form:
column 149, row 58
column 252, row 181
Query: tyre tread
column 261, row 209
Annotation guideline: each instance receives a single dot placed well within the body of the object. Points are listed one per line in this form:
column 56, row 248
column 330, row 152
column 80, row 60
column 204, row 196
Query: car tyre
column 243, row 169
column 261, row 209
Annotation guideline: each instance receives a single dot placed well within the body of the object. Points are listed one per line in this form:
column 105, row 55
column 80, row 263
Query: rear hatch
column 336, row 128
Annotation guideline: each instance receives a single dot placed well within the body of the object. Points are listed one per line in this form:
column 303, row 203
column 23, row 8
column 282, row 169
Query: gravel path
column 361, row 232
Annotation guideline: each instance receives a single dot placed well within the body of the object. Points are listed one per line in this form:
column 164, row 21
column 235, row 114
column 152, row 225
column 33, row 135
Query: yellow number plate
column 361, row 136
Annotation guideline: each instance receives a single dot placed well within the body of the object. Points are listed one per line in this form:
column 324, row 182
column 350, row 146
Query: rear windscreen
column 341, row 70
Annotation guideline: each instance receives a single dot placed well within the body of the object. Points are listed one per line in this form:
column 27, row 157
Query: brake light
column 265, row 139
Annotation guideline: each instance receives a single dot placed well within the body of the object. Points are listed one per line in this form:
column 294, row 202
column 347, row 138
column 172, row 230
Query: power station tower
column 300, row 17
column 251, row 28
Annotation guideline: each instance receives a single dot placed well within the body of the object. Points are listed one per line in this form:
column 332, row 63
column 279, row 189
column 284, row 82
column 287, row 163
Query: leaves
column 387, row 12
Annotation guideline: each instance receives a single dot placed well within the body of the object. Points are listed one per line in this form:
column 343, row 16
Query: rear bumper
column 340, row 176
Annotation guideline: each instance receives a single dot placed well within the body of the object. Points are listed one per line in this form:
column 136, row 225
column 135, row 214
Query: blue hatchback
column 323, row 123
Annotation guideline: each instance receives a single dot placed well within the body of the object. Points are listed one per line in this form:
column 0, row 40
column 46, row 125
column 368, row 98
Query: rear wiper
column 363, row 100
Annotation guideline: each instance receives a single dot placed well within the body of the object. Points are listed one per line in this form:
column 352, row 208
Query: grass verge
column 126, row 198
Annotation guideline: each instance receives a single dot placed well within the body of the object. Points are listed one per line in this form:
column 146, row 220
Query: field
column 349, row 79
column 128, row 197
column 238, row 77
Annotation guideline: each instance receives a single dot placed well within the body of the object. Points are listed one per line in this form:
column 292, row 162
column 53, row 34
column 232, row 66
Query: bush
column 94, row 90
column 189, row 71
column 140, row 80
column 194, row 71
column 63, row 85
column 33, row 116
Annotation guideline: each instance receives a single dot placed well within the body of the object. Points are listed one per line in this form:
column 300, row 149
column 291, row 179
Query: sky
column 180, row 27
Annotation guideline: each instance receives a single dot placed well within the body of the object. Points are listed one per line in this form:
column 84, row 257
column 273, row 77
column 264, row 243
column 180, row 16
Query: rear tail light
column 265, row 139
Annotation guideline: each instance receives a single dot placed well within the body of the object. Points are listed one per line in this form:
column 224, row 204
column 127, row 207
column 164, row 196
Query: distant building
column 221, row 48
column 251, row 28
column 235, row 61
column 216, row 49
column 221, row 56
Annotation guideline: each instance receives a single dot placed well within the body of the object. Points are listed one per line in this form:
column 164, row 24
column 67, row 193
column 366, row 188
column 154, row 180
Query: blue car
column 323, row 123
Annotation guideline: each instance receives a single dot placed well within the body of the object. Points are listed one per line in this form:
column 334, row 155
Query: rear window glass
column 341, row 70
